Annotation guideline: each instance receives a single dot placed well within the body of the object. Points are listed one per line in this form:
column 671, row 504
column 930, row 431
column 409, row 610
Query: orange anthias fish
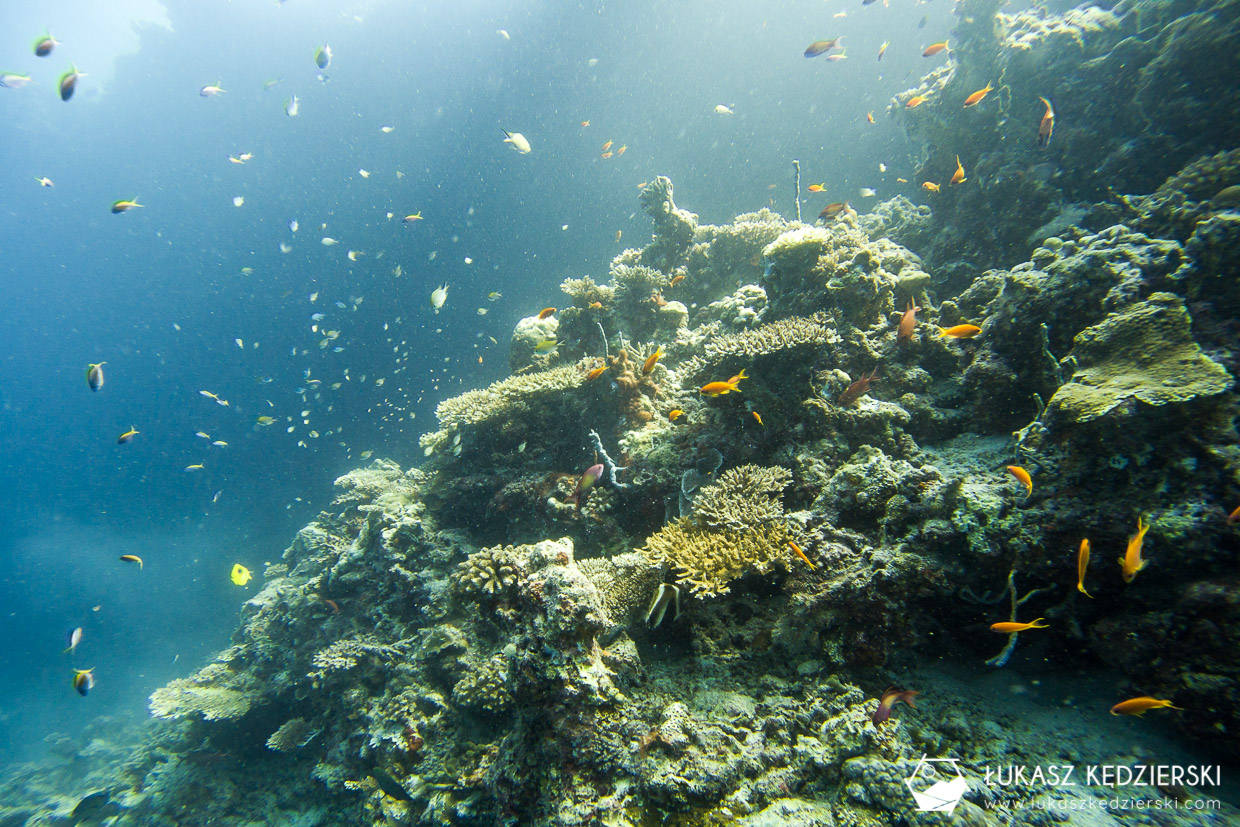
column 623, row 149
column 1139, row 706
column 721, row 388
column 1082, row 564
column 596, row 373
column 958, row 175
column 675, row 414
column 675, row 281
column 869, row 116
column 817, row 187
column 976, row 97
column 916, row 100
column 605, row 155
column 606, row 147
column 890, row 698
column 1022, row 475
column 738, row 377
column 799, row 553
column 1009, row 628
column 758, row 417
column 1131, row 562
column 934, row 48
column 930, row 186
column 585, row 123
column 908, row 323
column 652, row 361
column 1047, row 126
column 960, row 331
column 545, row 312
column 1234, row 517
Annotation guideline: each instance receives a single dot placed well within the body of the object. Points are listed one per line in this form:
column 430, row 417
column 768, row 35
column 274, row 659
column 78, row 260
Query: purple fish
column 585, row 484
column 890, row 698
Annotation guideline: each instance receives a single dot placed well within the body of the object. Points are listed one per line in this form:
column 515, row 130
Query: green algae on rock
column 1144, row 354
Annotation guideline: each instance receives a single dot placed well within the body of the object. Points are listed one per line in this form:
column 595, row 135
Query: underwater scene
column 815, row 413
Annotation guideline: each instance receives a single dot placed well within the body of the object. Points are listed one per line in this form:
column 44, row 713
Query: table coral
column 292, row 735
column 201, row 696
column 506, row 397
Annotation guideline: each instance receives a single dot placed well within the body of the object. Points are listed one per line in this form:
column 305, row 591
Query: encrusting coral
column 1145, row 354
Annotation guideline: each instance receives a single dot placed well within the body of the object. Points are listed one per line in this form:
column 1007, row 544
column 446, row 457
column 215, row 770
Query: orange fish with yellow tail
column 930, row 186
column 1140, row 706
column 799, row 553
column 915, row 101
column 1047, row 126
column 960, row 331
column 958, row 175
column 976, row 97
column 934, row 48
column 1132, row 562
column 1022, row 475
column 652, row 361
column 1082, row 563
column 908, row 323
column 596, row 373
column 721, row 388
column 545, row 312
column 1011, row 627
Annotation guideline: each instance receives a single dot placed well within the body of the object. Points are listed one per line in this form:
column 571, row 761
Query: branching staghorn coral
column 742, row 498
column 737, row 526
column 344, row 655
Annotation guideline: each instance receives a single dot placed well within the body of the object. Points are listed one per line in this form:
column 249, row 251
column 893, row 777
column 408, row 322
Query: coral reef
column 1117, row 127
column 431, row 650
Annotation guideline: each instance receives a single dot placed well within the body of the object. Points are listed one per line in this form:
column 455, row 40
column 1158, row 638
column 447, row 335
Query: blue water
column 159, row 293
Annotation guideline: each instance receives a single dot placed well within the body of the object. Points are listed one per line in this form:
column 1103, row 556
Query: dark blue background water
column 159, row 292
